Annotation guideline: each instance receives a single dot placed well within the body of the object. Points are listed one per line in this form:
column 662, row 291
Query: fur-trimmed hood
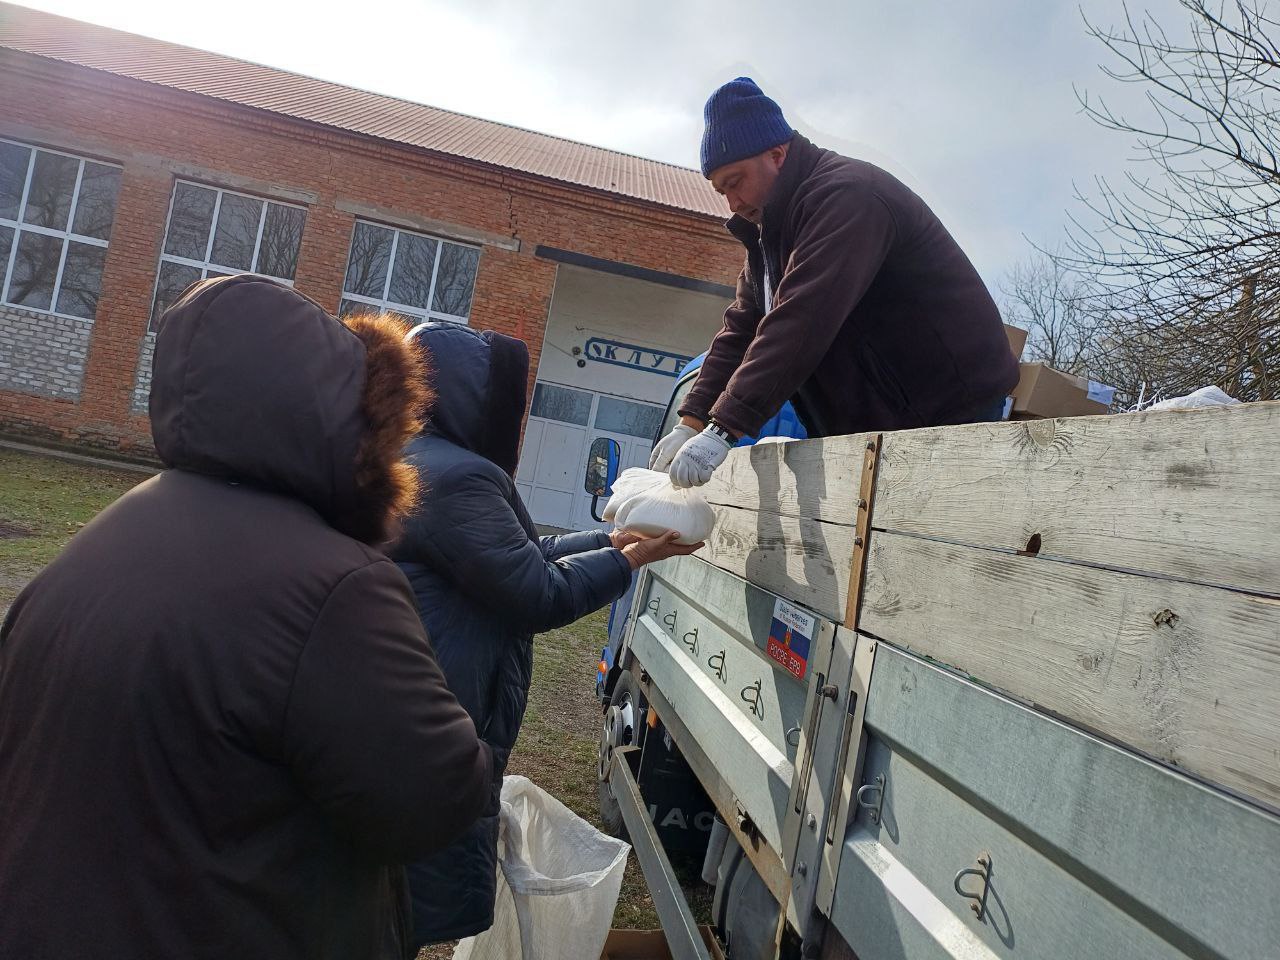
column 481, row 385
column 255, row 383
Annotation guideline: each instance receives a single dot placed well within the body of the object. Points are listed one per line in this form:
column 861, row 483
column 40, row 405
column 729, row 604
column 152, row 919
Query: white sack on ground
column 558, row 881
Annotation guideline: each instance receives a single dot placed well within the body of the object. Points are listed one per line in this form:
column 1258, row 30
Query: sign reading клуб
column 635, row 358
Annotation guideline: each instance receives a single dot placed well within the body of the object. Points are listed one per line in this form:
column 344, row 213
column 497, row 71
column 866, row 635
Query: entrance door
column 563, row 421
column 548, row 476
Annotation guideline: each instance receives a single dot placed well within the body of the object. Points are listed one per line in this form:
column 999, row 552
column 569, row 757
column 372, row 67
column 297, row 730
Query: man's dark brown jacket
column 879, row 320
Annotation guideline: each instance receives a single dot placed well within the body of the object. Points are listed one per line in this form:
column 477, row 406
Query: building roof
column 356, row 111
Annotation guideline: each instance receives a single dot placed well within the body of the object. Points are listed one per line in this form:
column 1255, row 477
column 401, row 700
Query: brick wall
column 159, row 135
column 142, row 377
column 42, row 354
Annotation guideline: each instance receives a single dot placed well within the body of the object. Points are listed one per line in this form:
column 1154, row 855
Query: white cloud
column 971, row 104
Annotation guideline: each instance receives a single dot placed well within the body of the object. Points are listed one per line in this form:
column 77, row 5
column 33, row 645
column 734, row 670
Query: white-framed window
column 212, row 232
column 56, row 211
column 411, row 274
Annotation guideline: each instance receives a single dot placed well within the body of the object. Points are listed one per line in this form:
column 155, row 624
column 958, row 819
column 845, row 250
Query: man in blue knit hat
column 855, row 303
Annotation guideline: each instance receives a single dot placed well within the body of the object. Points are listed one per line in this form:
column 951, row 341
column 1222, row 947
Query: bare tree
column 1185, row 263
column 1044, row 297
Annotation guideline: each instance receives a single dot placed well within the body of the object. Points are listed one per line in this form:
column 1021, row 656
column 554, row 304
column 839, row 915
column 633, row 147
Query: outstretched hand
column 653, row 549
column 623, row 538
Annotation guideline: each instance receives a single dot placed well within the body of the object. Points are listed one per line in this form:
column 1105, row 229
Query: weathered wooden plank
column 1186, row 673
column 815, row 479
column 1191, row 494
column 805, row 561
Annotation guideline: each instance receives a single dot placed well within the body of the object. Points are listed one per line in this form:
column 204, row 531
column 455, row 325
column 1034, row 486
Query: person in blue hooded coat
column 485, row 583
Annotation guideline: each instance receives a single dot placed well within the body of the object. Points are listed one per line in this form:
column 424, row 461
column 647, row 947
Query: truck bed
column 1038, row 714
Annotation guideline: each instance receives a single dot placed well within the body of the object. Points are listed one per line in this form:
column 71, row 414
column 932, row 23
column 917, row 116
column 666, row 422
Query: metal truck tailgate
column 1089, row 849
column 702, row 635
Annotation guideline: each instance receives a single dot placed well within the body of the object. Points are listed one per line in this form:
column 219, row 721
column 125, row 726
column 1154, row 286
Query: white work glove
column 698, row 458
column 669, row 446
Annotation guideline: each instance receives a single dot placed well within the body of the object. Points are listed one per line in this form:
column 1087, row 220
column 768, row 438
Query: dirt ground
column 44, row 501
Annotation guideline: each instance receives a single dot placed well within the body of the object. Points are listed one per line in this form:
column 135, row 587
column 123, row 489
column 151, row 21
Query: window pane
column 349, row 308
column 174, row 278
column 629, row 417
column 190, row 221
column 281, row 238
column 411, row 277
column 35, row 270
column 456, row 279
column 13, row 175
column 560, row 403
column 96, row 208
column 53, row 180
column 81, row 280
column 367, row 268
column 677, row 401
column 6, row 246
column 237, row 231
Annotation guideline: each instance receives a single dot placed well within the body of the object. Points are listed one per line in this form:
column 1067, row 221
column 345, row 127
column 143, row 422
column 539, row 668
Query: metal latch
column 979, row 898
column 874, row 807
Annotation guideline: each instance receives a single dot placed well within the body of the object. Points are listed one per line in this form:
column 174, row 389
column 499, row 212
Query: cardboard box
column 650, row 945
column 1043, row 392
column 1017, row 340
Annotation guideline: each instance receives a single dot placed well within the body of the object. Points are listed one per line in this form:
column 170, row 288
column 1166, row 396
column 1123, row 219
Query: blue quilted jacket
column 485, row 583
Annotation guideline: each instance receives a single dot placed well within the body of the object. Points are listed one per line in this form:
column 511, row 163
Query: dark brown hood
column 255, row 383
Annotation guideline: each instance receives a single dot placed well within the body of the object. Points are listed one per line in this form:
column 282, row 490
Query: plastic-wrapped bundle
column 645, row 502
column 631, row 482
column 1204, row 397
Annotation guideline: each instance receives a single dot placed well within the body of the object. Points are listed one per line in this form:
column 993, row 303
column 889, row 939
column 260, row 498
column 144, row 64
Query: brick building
column 130, row 167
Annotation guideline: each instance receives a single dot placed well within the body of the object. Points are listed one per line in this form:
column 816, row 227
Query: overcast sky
column 971, row 103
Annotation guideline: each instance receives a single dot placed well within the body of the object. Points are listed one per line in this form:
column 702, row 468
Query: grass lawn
column 44, row 501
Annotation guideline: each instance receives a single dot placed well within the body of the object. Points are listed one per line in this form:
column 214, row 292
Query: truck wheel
column 619, row 729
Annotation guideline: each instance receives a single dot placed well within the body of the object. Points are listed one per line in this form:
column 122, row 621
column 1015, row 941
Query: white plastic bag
column 1204, row 397
column 632, row 481
column 558, row 882
column 661, row 508
column 646, row 502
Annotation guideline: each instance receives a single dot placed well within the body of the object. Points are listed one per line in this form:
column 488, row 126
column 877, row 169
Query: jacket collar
column 802, row 157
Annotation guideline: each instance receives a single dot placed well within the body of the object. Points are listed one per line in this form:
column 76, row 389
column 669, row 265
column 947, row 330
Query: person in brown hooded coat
column 222, row 726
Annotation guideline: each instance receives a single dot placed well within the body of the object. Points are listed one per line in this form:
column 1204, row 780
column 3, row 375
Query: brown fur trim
column 395, row 395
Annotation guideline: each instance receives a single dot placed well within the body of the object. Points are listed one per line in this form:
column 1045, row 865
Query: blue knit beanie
column 740, row 122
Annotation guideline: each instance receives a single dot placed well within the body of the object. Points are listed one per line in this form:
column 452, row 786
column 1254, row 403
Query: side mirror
column 602, row 470
column 602, row 467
